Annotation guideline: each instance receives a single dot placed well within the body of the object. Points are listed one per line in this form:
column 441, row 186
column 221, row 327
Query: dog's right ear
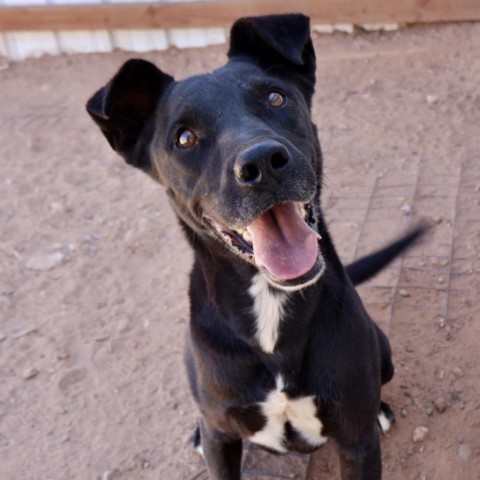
column 124, row 108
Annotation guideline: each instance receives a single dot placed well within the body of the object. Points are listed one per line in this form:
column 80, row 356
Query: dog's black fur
column 236, row 149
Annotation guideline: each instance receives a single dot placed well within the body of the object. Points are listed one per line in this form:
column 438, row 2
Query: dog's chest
column 269, row 309
column 288, row 419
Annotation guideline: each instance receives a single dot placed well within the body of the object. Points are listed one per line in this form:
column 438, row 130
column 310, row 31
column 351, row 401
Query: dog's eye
column 275, row 99
column 186, row 138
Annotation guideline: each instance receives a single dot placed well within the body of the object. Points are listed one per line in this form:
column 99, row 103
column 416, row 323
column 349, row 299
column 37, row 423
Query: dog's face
column 235, row 148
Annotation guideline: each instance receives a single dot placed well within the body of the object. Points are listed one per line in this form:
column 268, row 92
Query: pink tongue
column 283, row 243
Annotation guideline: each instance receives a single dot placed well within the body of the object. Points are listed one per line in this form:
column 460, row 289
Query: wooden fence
column 32, row 27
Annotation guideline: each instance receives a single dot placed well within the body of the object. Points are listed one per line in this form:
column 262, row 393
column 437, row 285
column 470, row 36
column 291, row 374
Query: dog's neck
column 250, row 310
column 270, row 309
column 240, row 299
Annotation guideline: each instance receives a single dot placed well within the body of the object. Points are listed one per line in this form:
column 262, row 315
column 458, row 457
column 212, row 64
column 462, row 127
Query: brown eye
column 275, row 99
column 186, row 139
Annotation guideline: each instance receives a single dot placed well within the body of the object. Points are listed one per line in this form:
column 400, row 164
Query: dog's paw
column 385, row 418
column 197, row 441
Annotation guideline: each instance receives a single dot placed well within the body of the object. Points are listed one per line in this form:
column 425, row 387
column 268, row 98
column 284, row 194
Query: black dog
column 281, row 350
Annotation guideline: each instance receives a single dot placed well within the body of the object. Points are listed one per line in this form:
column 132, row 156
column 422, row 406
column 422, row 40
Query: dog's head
column 236, row 148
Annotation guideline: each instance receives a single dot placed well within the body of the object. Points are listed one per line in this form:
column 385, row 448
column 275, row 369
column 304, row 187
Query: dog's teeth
column 246, row 236
column 302, row 210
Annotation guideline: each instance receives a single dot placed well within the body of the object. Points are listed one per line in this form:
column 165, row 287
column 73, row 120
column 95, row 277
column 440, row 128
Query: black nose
column 261, row 163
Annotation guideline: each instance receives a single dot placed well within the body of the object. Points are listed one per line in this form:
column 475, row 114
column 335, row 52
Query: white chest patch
column 300, row 412
column 269, row 309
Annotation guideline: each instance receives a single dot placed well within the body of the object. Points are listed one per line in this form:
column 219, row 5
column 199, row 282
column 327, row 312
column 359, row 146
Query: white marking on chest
column 279, row 409
column 269, row 309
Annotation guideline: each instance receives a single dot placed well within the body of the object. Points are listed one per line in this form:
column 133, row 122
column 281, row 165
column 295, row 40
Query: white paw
column 384, row 423
column 199, row 449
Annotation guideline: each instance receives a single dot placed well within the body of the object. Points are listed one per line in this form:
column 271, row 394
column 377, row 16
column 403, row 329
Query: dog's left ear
column 124, row 109
column 277, row 43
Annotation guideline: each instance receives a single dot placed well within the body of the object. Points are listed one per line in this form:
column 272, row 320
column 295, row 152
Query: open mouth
column 282, row 242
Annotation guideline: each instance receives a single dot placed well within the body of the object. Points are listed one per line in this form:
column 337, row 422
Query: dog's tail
column 367, row 267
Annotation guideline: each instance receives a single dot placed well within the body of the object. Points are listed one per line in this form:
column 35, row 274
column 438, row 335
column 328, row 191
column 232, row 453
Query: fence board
column 222, row 13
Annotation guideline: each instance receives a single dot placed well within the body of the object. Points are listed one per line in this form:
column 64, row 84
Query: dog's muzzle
column 282, row 243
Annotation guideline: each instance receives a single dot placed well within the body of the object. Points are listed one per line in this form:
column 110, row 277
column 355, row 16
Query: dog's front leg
column 223, row 455
column 362, row 461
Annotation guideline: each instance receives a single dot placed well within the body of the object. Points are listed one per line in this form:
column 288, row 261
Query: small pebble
column 419, row 434
column 123, row 325
column 62, row 355
column 458, row 372
column 142, row 463
column 44, row 262
column 465, row 451
column 103, row 337
column 111, row 474
column 441, row 322
column 406, row 209
column 30, row 373
column 403, row 412
column 440, row 404
column 404, row 293
column 432, row 99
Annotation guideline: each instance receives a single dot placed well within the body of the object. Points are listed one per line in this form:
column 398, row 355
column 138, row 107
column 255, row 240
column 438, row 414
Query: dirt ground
column 93, row 267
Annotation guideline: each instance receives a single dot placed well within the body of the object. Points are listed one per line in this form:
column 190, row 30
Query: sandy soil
column 93, row 267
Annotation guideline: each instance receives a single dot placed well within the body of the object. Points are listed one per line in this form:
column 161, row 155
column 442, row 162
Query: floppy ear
column 277, row 43
column 123, row 109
